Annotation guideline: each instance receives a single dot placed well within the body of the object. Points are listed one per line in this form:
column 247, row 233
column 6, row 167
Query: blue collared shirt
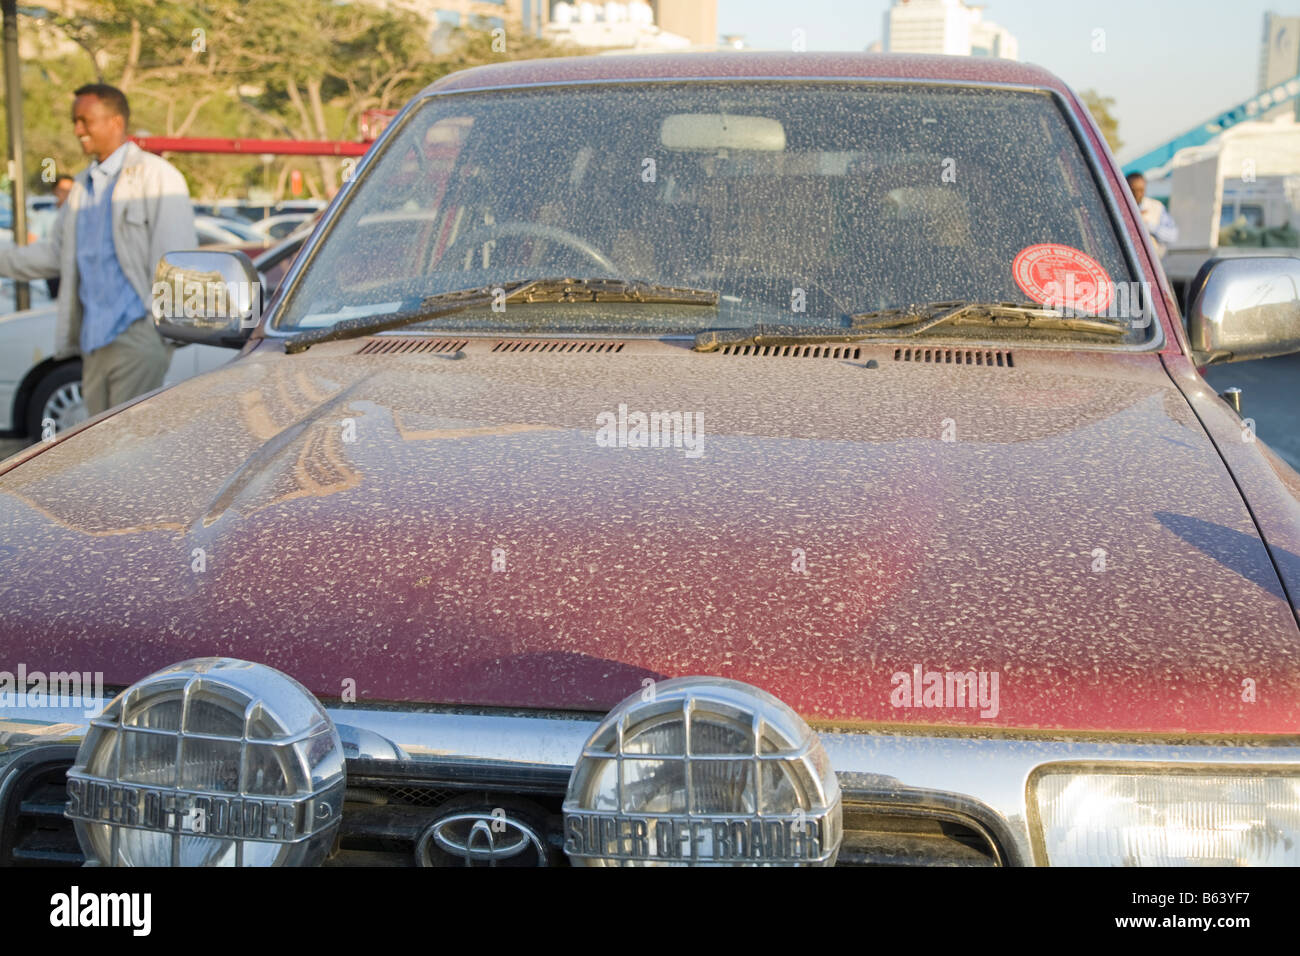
column 109, row 303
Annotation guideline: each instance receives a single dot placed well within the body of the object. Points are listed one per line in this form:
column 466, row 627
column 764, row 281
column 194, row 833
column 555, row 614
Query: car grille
column 33, row 829
column 384, row 817
column 383, row 820
column 382, row 824
column 883, row 835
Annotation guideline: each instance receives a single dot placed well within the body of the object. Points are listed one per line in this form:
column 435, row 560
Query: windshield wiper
column 562, row 289
column 711, row 339
column 913, row 320
column 611, row 290
column 1009, row 315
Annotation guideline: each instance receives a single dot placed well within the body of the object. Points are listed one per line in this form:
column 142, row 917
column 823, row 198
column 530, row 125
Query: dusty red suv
column 741, row 459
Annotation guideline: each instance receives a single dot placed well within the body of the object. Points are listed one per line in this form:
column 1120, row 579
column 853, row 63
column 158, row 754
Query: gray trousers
column 133, row 363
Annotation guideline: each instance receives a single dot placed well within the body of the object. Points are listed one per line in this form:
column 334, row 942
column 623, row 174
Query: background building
column 533, row 14
column 948, row 27
column 1279, row 59
column 636, row 24
column 633, row 24
column 697, row 20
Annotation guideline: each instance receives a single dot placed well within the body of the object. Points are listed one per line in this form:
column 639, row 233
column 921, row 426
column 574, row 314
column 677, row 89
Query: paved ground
column 1270, row 395
column 8, row 446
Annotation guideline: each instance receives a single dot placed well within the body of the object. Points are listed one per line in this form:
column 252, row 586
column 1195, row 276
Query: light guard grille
column 207, row 762
column 707, row 771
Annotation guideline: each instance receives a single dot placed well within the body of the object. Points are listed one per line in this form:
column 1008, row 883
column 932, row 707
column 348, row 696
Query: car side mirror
column 212, row 298
column 1245, row 308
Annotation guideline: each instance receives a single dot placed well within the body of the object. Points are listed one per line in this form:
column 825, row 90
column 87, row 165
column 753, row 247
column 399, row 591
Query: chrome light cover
column 210, row 762
column 702, row 771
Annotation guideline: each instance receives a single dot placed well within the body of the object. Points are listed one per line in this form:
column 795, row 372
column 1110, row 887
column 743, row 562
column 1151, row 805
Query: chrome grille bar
column 983, row 777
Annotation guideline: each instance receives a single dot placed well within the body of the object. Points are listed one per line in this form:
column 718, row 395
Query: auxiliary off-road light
column 211, row 762
column 702, row 771
column 1150, row 817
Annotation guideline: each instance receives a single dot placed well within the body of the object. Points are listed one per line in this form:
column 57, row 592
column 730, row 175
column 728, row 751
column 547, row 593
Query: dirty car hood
column 447, row 529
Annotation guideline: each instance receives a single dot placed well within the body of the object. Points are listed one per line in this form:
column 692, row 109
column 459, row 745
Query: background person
column 62, row 187
column 1159, row 223
column 121, row 215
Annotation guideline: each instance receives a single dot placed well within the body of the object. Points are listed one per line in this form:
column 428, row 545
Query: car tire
column 56, row 396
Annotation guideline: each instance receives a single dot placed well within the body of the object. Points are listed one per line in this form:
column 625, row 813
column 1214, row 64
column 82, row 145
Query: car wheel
column 57, row 400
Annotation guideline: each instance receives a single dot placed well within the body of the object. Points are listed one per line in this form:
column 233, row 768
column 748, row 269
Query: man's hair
column 1132, row 176
column 62, row 176
column 110, row 96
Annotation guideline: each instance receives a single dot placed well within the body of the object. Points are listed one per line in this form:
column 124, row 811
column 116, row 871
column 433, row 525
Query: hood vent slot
column 988, row 357
column 560, row 345
column 794, row 351
column 394, row 346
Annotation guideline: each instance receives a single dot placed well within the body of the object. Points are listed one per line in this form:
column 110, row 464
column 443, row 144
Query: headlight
column 702, row 770
column 1171, row 818
column 213, row 762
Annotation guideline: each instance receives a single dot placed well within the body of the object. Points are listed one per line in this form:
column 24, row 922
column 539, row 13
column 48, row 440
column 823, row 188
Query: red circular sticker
column 1063, row 277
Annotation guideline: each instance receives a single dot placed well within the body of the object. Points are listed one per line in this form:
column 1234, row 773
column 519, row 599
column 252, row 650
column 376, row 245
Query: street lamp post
column 14, row 103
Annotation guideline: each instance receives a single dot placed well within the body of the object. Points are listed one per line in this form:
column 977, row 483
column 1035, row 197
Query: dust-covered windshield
column 799, row 204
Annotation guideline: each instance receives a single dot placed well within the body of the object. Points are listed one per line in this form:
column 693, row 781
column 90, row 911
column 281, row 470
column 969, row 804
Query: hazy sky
column 1169, row 64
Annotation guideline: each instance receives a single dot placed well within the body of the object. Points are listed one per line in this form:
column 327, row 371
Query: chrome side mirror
column 1245, row 308
column 213, row 298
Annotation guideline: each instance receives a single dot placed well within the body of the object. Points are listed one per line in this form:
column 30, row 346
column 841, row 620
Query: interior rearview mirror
column 710, row 131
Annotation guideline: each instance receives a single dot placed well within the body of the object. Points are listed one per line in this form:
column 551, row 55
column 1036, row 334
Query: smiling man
column 123, row 212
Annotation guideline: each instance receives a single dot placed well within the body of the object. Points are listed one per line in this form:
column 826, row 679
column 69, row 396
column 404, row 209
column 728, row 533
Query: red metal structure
column 373, row 122
column 254, row 147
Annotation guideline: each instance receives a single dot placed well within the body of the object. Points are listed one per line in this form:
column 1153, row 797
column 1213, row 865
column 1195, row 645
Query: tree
column 248, row 68
column 175, row 62
column 1100, row 108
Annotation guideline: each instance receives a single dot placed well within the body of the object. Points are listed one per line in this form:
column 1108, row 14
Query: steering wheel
column 537, row 230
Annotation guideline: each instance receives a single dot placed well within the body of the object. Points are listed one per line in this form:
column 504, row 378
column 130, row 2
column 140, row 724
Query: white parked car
column 35, row 388
column 282, row 224
column 224, row 230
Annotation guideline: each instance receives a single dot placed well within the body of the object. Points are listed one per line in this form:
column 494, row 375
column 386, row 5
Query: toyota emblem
column 481, row 838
